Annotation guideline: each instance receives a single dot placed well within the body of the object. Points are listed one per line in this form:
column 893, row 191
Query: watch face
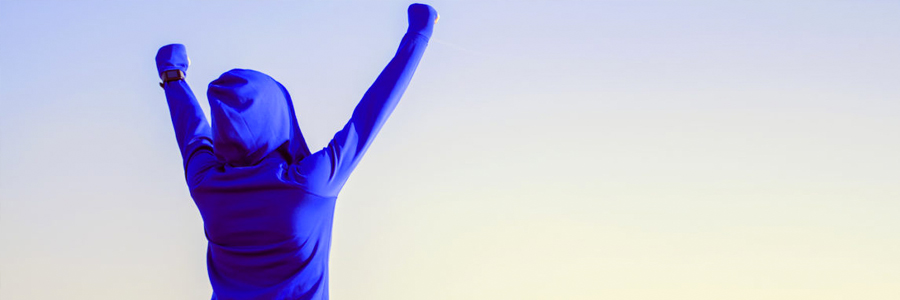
column 172, row 74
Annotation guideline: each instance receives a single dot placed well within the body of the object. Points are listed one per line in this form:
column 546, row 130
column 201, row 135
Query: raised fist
column 422, row 18
column 172, row 57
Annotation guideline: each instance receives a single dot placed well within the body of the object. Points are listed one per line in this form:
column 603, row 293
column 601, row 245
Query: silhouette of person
column 267, row 203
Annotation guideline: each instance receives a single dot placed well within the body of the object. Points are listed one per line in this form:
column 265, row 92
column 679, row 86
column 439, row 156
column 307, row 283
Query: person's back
column 267, row 203
column 269, row 236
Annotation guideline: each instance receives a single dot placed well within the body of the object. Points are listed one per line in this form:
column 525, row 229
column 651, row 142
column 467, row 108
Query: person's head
column 252, row 117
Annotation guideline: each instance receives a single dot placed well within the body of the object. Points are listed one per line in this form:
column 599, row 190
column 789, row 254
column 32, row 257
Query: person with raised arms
column 266, row 201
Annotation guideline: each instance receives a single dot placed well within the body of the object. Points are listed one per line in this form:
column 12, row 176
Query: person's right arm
column 327, row 170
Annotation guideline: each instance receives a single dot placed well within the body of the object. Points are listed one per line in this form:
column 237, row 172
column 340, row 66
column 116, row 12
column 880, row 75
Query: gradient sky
column 544, row 150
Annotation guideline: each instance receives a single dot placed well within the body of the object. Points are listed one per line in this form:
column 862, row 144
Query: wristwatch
column 170, row 75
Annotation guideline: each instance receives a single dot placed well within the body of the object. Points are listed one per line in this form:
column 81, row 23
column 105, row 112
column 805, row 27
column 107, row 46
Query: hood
column 253, row 116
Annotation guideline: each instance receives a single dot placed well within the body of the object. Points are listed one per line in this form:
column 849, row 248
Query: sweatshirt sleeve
column 327, row 170
column 192, row 131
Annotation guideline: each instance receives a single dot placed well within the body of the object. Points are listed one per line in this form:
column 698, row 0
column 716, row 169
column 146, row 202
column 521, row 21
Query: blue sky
column 544, row 150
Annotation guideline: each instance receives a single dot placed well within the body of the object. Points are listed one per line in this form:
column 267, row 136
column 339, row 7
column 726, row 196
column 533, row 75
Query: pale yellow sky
column 544, row 150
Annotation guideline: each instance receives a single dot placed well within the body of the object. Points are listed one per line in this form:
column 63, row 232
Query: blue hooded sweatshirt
column 267, row 203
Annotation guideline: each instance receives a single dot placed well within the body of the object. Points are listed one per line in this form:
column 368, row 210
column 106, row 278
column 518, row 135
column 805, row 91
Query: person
column 267, row 203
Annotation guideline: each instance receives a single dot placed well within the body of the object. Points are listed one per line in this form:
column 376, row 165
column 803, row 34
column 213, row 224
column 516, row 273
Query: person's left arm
column 192, row 131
